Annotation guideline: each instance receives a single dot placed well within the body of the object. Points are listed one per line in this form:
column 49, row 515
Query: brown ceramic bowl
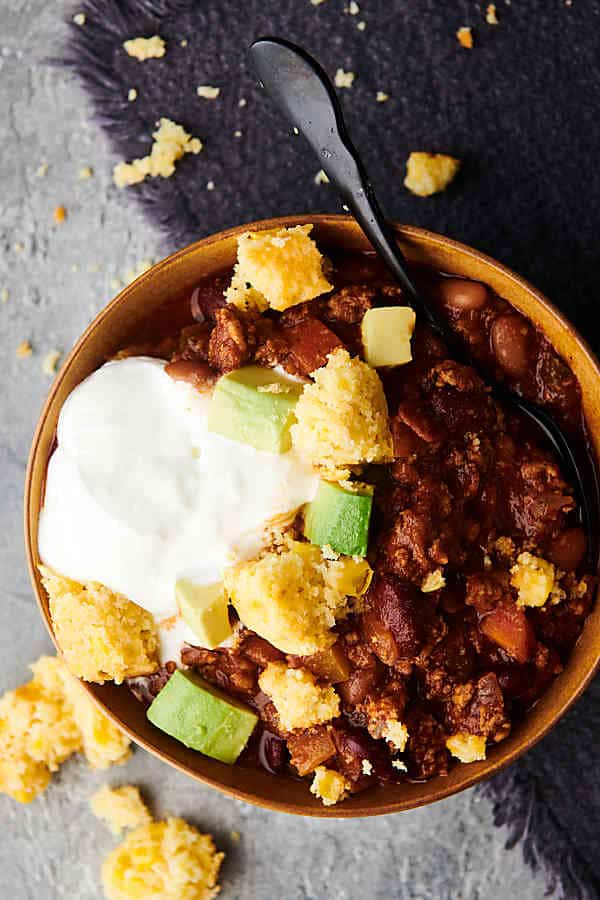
column 113, row 328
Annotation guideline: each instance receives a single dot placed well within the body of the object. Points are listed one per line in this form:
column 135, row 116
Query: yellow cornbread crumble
column 342, row 419
column 429, row 173
column 435, row 581
column 145, row 48
column 396, row 733
column 329, row 786
column 466, row 747
column 171, row 142
column 534, row 579
column 168, row 860
column 103, row 636
column 120, row 807
column 300, row 702
column 291, row 598
column 45, row 721
column 278, row 268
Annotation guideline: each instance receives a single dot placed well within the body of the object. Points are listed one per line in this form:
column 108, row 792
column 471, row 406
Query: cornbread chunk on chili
column 120, row 807
column 171, row 143
column 145, row 48
column 429, row 173
column 169, row 860
column 103, row 636
column 300, row 702
column 292, row 598
column 45, row 721
column 396, row 733
column 342, row 419
column 329, row 786
column 534, row 579
column 278, row 268
column 466, row 747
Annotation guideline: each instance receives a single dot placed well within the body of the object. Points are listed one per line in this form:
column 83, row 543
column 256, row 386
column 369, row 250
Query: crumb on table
column 145, row 48
column 429, row 173
column 465, row 37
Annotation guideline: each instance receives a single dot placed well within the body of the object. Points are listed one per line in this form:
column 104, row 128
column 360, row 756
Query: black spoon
column 304, row 94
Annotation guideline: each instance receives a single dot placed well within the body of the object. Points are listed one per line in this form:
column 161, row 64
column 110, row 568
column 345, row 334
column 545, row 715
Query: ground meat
column 349, row 304
column 232, row 340
column 486, row 589
column 194, row 343
column 272, row 349
column 426, row 752
column 225, row 668
column 477, row 707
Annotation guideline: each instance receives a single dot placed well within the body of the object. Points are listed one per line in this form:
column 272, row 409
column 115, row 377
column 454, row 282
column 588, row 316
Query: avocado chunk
column 204, row 609
column 339, row 517
column 386, row 332
column 202, row 717
column 255, row 406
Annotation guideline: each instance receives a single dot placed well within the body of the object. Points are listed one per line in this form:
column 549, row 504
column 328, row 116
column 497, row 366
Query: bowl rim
column 441, row 791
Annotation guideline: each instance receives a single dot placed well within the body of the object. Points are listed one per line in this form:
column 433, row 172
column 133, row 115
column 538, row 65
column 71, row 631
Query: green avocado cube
column 255, row 406
column 339, row 518
column 204, row 609
column 202, row 717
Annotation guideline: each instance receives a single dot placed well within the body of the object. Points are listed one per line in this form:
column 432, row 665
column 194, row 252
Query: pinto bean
column 511, row 336
column 462, row 295
column 195, row 372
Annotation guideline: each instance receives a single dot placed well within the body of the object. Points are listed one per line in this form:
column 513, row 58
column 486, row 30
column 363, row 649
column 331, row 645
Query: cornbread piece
column 534, row 579
column 60, row 214
column 168, row 860
column 202, row 717
column 40, row 727
column 466, row 747
column 120, row 807
column 300, row 702
column 396, row 733
column 24, row 350
column 343, row 416
column 339, row 518
column 435, row 581
column 50, row 362
column 103, row 636
column 289, row 598
column 145, row 48
column 491, row 14
column 204, row 609
column 278, row 268
column 429, row 173
column 171, row 142
column 329, row 786
column 382, row 97
column 343, row 79
column 207, row 92
column 465, row 37
column 386, row 332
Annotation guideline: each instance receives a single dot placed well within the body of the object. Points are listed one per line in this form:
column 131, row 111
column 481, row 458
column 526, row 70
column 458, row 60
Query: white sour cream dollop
column 139, row 493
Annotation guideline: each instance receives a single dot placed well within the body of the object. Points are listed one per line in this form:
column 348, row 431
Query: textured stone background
column 53, row 847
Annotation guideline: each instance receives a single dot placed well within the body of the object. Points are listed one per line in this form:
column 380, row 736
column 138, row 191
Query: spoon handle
column 304, row 94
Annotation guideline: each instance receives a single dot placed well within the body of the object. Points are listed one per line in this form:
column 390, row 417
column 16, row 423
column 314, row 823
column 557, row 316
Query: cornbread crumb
column 290, row 598
column 344, row 79
column 361, row 26
column 329, row 786
column 235, row 836
column 132, row 94
column 183, row 43
column 398, row 764
column 353, row 8
column 79, row 18
column 120, row 807
column 237, row 133
column 4, row 295
column 491, row 16
column 505, row 547
column 435, row 581
column 60, row 214
column 317, row 2
column 85, row 172
column 208, row 92
column 321, row 177
column 168, row 860
column 367, row 767
column 342, row 419
column 145, row 48
column 465, row 37
column 534, row 579
column 50, row 362
column 396, row 733
column 278, row 268
column 210, row 185
column 24, row 350
column 466, row 747
column 40, row 727
column 242, row 102
column 429, row 173
column 103, row 635
column 42, row 170
column 382, row 97
column 18, row 246
column 171, row 142
column 300, row 702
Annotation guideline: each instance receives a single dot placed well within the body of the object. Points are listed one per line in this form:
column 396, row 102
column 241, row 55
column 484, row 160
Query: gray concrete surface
column 53, row 847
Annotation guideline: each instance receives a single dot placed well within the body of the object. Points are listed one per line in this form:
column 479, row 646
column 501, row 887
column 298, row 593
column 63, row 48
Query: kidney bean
column 462, row 295
column 271, row 752
column 195, row 372
column 568, row 549
column 510, row 336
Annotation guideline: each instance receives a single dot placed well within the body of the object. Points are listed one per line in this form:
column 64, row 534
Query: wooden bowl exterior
column 179, row 273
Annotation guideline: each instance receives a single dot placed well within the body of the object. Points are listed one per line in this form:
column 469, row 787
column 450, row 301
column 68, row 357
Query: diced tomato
column 509, row 628
column 330, row 665
column 310, row 748
column 310, row 343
